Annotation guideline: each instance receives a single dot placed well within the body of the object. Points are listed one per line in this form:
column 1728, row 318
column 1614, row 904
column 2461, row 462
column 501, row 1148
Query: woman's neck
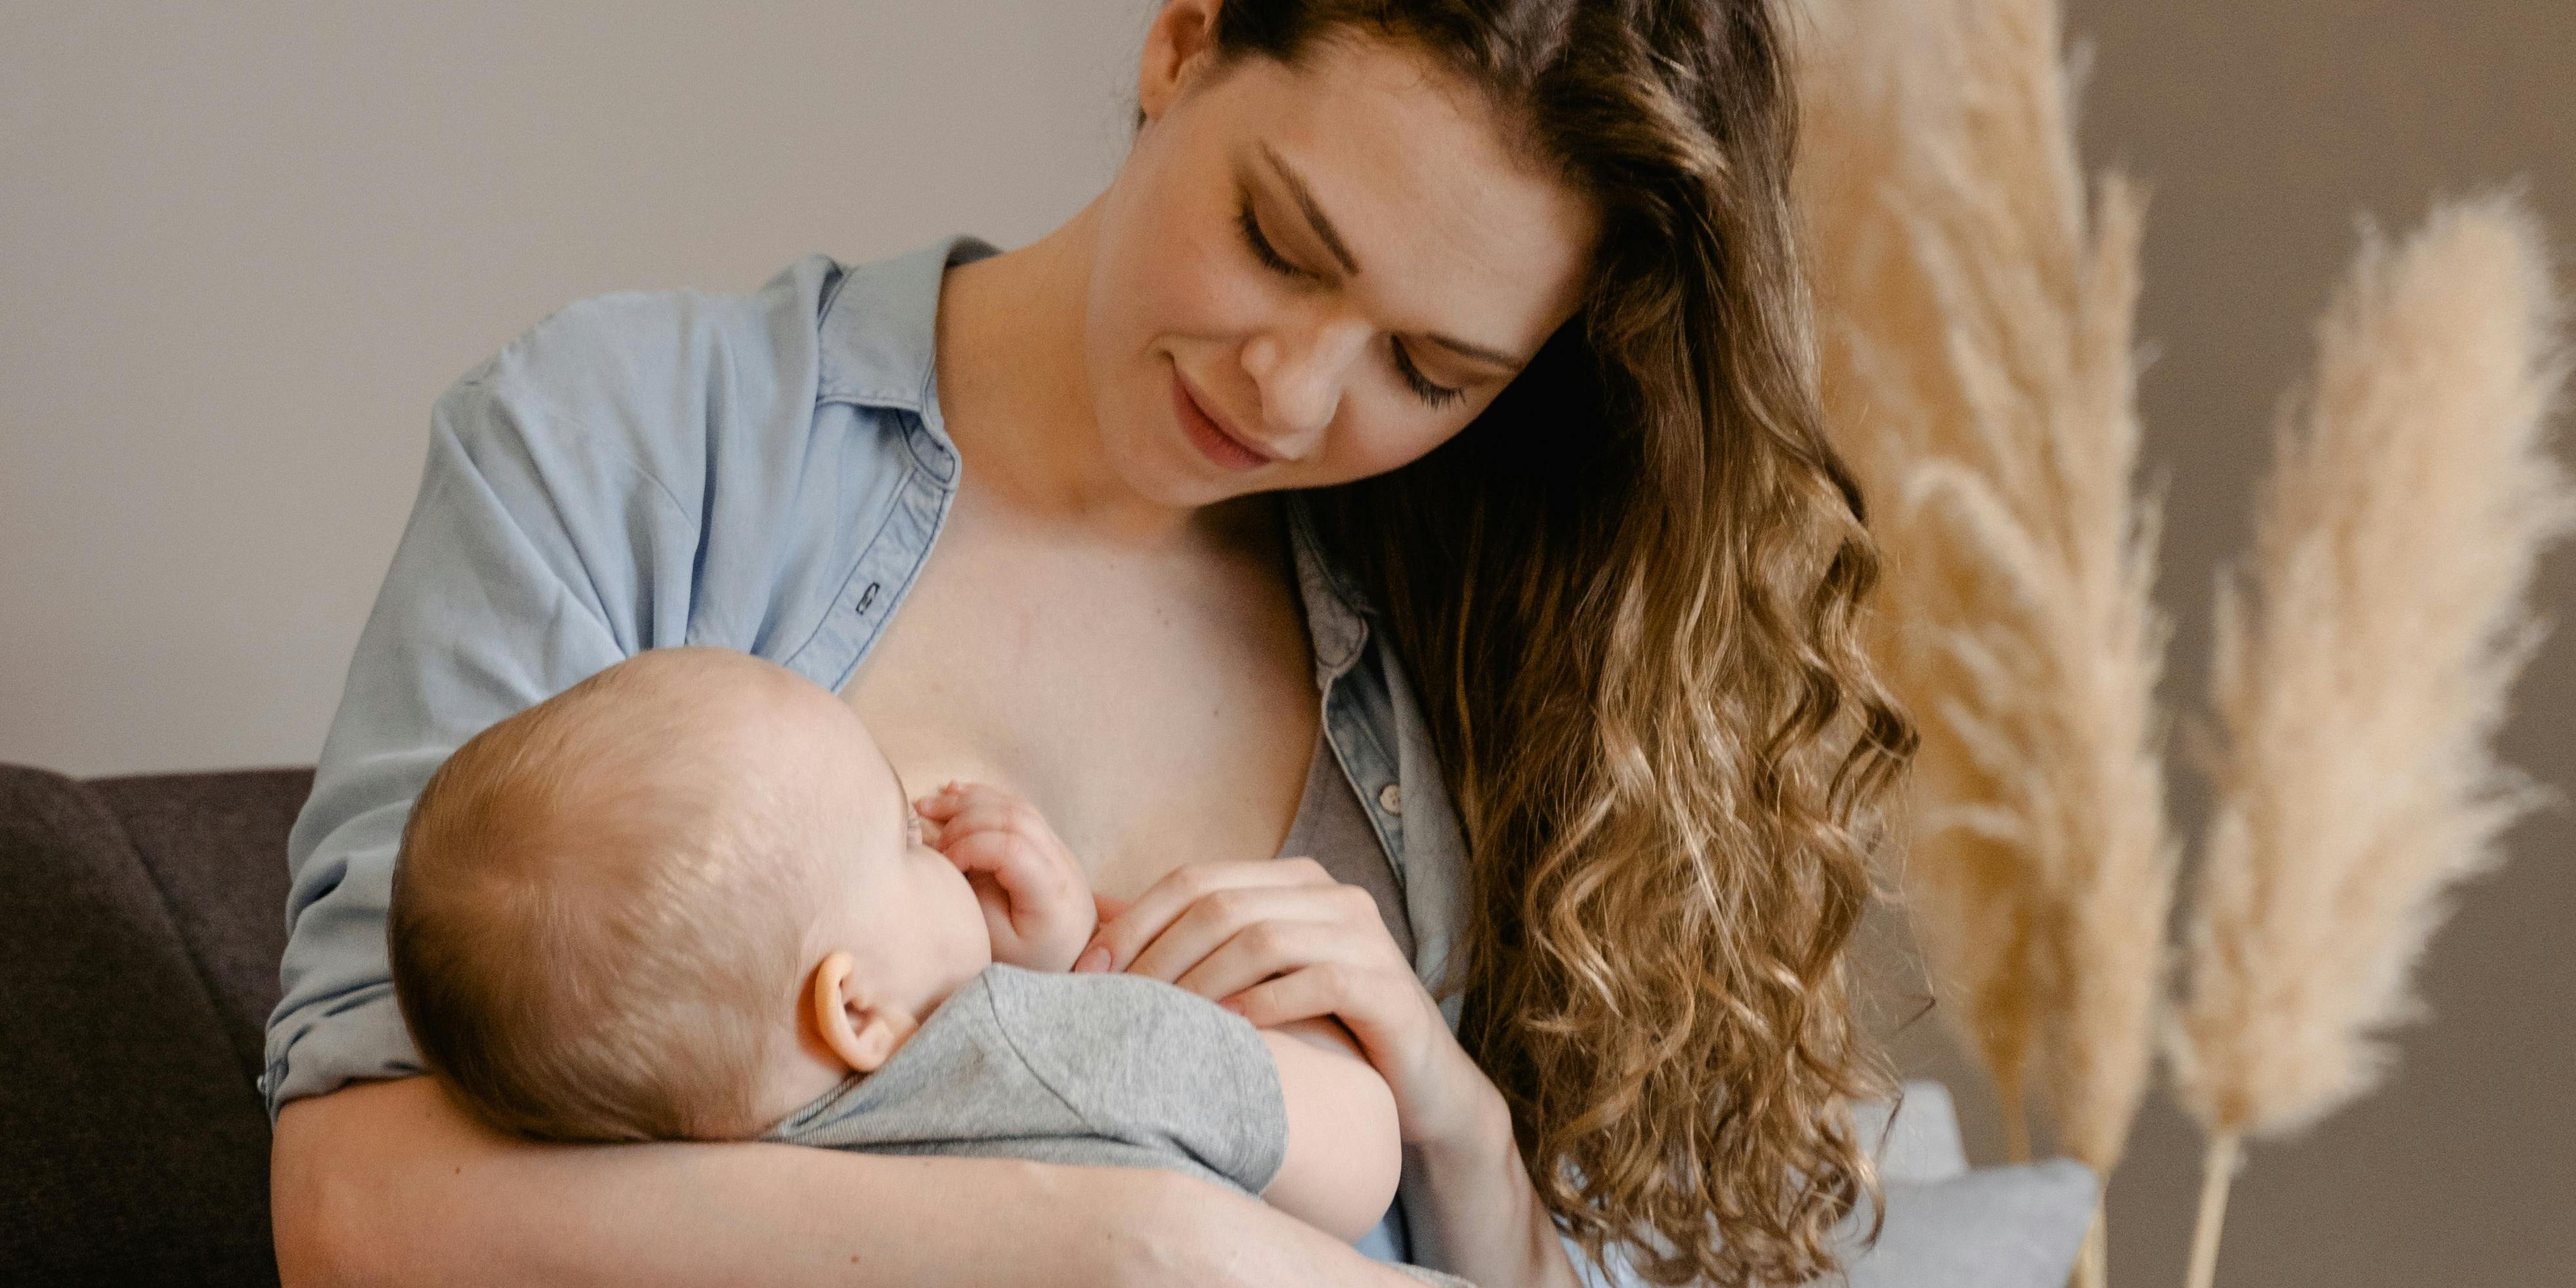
column 1015, row 391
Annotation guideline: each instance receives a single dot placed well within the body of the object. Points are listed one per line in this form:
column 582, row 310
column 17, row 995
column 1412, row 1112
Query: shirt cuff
column 350, row 1039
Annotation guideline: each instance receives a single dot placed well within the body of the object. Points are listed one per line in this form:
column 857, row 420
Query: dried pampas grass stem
column 1979, row 374
column 1977, row 314
column 2361, row 666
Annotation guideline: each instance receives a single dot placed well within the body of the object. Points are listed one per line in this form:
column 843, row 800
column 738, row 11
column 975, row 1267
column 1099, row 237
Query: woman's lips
column 1210, row 438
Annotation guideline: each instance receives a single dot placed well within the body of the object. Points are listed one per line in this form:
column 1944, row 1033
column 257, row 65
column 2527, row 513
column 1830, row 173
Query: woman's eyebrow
column 1322, row 224
column 1480, row 353
column 1315, row 216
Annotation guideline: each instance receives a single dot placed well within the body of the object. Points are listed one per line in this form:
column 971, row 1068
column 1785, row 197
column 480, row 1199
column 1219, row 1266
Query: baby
column 686, row 898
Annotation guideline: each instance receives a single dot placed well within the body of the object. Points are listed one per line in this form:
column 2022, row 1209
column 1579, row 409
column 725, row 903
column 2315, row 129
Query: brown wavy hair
column 1629, row 593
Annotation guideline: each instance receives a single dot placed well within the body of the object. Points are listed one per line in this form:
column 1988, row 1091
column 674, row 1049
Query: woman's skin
column 1109, row 626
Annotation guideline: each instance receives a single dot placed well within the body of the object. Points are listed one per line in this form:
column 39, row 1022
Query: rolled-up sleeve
column 537, row 553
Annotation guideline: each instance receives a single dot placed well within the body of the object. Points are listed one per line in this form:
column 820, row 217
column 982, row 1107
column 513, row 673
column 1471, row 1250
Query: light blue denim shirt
column 763, row 472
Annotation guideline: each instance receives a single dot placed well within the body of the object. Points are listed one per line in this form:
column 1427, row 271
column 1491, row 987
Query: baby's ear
column 861, row 1032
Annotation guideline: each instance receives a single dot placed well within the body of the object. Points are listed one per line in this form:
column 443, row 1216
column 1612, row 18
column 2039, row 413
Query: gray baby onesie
column 1105, row 1069
column 1108, row 1069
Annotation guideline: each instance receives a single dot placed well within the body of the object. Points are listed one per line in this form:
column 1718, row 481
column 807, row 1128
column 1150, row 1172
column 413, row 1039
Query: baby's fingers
column 1005, row 856
column 944, row 803
column 965, row 807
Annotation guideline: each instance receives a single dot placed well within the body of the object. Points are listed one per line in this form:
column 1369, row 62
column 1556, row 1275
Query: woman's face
column 1306, row 276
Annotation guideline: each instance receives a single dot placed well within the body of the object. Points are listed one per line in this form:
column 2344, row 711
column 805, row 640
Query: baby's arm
column 1344, row 1153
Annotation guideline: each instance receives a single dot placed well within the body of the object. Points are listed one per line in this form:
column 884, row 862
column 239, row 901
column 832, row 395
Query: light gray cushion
column 1952, row 1226
column 1922, row 1142
column 1989, row 1227
column 1948, row 1225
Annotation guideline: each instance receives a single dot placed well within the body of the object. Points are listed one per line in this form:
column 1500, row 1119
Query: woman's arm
column 390, row 1183
column 1483, row 1219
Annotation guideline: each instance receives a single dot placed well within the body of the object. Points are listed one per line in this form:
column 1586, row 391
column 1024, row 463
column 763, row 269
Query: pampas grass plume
column 2362, row 663
column 1976, row 318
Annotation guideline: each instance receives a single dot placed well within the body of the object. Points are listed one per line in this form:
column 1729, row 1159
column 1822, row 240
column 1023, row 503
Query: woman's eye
column 1431, row 394
column 1434, row 395
column 1260, row 246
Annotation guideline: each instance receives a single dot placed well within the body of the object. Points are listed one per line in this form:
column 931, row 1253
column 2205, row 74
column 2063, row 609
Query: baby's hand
column 1036, row 900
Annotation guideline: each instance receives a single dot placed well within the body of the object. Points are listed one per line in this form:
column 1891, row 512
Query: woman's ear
column 1180, row 43
column 861, row 1031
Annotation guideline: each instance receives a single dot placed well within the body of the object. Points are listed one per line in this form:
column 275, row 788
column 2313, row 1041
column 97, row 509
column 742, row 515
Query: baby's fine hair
column 597, row 916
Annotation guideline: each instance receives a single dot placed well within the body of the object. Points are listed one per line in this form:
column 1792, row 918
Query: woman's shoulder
column 659, row 377
column 618, row 339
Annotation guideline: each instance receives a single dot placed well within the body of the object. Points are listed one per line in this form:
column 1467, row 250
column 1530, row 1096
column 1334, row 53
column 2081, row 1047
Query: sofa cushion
column 1948, row 1225
column 1952, row 1226
column 215, row 845
column 134, row 1146
column 1988, row 1227
column 1914, row 1137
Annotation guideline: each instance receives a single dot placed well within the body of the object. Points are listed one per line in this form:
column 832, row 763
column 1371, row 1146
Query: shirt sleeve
column 1153, row 1065
column 537, row 552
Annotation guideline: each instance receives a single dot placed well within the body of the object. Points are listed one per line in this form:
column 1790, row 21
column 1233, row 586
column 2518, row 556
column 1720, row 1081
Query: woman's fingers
column 1279, row 941
column 1396, row 1023
column 1267, row 947
column 1164, row 902
column 1219, row 918
column 1297, row 995
column 1393, row 1019
column 1266, row 915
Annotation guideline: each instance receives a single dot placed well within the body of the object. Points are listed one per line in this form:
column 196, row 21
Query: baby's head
column 674, row 901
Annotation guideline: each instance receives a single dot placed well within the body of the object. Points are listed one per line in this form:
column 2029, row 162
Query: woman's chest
column 1157, row 708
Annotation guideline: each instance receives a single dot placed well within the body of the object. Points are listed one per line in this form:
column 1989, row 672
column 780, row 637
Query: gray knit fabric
column 1093, row 1069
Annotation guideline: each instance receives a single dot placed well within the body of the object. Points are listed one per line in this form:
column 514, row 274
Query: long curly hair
column 1630, row 595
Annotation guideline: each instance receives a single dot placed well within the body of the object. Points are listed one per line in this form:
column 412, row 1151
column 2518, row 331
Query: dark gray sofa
column 144, row 918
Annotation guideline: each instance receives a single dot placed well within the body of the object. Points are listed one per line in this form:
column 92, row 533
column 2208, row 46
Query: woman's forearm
column 1485, row 1221
column 389, row 1183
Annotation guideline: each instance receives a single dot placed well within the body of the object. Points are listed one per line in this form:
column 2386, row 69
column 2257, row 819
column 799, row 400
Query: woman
column 1416, row 349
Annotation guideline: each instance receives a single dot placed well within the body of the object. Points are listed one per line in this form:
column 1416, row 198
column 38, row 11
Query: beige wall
column 242, row 246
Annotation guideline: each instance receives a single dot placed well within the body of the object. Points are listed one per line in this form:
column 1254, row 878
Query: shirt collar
column 877, row 334
column 1337, row 608
column 879, row 325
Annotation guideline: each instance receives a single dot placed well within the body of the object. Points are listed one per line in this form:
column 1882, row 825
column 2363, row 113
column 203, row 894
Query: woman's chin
column 1176, row 475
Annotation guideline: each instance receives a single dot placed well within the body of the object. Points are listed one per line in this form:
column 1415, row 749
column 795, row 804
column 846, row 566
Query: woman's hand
column 1037, row 902
column 1281, row 940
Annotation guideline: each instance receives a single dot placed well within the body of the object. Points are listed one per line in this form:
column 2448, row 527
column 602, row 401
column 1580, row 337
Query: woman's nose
column 1300, row 371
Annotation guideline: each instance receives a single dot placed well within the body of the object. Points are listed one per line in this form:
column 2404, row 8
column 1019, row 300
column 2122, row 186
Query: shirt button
column 1390, row 800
